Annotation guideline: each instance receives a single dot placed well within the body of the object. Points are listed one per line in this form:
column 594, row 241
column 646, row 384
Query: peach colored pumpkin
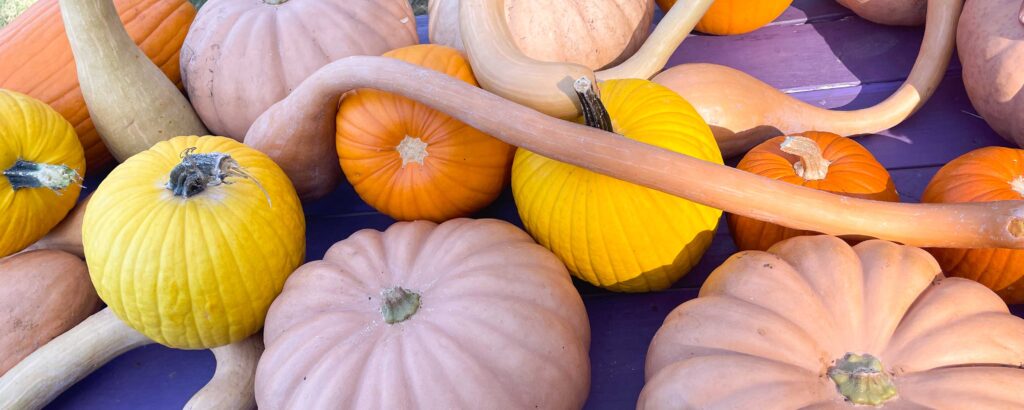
column 42, row 295
column 242, row 56
column 465, row 314
column 815, row 323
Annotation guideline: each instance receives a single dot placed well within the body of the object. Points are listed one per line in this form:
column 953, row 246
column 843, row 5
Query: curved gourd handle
column 233, row 385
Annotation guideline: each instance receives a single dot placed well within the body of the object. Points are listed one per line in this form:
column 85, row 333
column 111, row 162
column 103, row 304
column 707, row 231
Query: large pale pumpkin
column 816, row 324
column 465, row 314
column 35, row 57
column 729, row 17
column 42, row 164
column 190, row 241
column 410, row 161
column 982, row 175
column 609, row 232
column 819, row 160
column 242, row 56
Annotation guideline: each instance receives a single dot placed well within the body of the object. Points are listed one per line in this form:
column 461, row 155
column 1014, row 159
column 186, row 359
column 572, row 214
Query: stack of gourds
column 195, row 241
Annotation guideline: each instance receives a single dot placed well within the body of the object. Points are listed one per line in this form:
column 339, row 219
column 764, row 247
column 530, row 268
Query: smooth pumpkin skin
column 985, row 174
column 463, row 171
column 612, row 233
column 32, row 131
column 852, row 171
column 43, row 294
column 768, row 325
column 242, row 56
column 499, row 324
column 36, row 59
column 731, row 17
column 199, row 272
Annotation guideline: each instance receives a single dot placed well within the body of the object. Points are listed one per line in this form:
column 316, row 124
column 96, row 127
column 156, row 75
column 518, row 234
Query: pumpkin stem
column 28, row 174
column 399, row 304
column 862, row 380
column 412, row 150
column 593, row 109
column 196, row 172
column 812, row 165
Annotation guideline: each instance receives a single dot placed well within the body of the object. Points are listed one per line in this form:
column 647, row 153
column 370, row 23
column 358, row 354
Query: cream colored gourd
column 300, row 120
column 743, row 111
column 889, row 12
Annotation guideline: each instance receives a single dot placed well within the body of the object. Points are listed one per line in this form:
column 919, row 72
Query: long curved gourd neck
column 928, row 71
column 298, row 121
column 500, row 67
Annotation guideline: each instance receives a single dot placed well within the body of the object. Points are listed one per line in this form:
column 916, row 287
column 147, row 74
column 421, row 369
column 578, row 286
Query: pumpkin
column 889, row 12
column 242, row 56
column 985, row 174
column 44, row 293
column 412, row 162
column 298, row 121
column 427, row 315
column 612, row 233
column 591, row 33
column 731, row 17
column 815, row 323
column 743, row 111
column 42, row 163
column 819, row 160
column 36, row 58
column 990, row 42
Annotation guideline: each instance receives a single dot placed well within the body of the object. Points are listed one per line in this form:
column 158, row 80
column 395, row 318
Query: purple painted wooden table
column 817, row 50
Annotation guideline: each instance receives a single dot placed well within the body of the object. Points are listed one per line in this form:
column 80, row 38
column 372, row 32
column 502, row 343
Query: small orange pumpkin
column 730, row 17
column 985, row 174
column 818, row 160
column 410, row 161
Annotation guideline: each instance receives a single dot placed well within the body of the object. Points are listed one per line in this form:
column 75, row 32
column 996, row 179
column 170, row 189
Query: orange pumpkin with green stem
column 729, row 17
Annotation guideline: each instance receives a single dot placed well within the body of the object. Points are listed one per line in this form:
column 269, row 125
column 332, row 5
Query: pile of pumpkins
column 197, row 241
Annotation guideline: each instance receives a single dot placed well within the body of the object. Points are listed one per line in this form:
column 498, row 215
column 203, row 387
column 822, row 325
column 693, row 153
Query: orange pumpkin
column 985, row 174
column 818, row 160
column 35, row 57
column 730, row 17
column 412, row 162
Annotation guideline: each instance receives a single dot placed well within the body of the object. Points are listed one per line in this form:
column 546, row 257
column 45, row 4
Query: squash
column 44, row 293
column 42, row 164
column 985, row 174
column 818, row 160
column 503, row 69
column 430, row 316
column 411, row 162
column 592, row 33
column 67, row 235
column 990, row 42
column 242, row 56
column 743, row 111
column 815, row 323
column 731, row 17
column 298, row 121
column 889, row 12
column 48, row 73
column 611, row 233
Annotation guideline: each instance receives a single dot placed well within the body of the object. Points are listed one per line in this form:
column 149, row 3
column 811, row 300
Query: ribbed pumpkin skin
column 242, row 56
column 985, row 174
column 499, row 325
column 32, row 131
column 36, row 59
column 853, row 172
column 768, row 325
column 199, row 272
column 464, row 169
column 611, row 233
column 731, row 17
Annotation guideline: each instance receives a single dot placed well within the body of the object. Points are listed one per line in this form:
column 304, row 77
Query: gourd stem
column 399, row 304
column 861, row 379
column 28, row 174
column 593, row 109
column 812, row 166
column 196, row 172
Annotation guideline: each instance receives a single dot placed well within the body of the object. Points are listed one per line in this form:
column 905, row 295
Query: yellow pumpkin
column 189, row 241
column 42, row 163
column 612, row 233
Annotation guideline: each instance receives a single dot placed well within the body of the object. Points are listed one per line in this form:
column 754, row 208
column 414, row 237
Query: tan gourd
column 131, row 102
column 743, row 111
column 67, row 235
column 301, row 128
